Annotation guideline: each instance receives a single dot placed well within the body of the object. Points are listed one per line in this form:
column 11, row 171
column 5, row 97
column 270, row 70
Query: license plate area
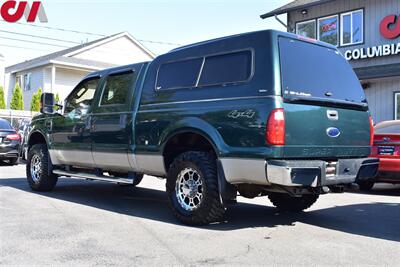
column 386, row 150
column 331, row 169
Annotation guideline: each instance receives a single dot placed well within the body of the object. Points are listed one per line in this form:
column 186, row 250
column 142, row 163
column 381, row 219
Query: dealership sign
column 13, row 11
column 390, row 29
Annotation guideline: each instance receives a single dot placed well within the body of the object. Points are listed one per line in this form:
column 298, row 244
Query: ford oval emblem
column 333, row 132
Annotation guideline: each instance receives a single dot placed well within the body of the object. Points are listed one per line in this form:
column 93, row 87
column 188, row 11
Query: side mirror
column 47, row 103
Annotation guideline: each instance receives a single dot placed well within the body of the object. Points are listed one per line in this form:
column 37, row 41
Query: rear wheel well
column 184, row 142
column 36, row 138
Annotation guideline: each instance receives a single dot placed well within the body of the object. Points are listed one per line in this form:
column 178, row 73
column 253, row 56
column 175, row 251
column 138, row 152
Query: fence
column 17, row 117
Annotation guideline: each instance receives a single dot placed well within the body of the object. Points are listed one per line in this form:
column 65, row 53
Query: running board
column 88, row 176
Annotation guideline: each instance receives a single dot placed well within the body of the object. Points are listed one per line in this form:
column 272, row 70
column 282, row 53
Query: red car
column 387, row 149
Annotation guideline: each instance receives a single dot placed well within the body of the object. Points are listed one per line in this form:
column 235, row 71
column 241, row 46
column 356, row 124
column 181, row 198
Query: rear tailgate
column 312, row 132
column 326, row 114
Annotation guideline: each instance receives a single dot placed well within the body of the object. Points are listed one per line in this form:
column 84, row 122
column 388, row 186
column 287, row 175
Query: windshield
column 313, row 71
column 5, row 125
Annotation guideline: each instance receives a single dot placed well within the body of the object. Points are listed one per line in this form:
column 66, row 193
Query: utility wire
column 22, row 47
column 58, row 29
column 38, row 36
column 32, row 42
column 90, row 33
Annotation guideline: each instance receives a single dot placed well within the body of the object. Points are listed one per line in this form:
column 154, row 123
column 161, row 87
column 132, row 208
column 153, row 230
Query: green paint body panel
column 232, row 117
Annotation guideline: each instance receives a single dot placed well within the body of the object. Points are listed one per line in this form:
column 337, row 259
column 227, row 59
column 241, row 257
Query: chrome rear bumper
column 311, row 173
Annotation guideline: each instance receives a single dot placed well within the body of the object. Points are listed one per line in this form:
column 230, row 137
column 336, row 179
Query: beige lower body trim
column 249, row 171
column 150, row 164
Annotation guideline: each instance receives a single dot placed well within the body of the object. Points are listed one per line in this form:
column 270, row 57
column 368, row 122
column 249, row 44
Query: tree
column 57, row 100
column 17, row 101
column 2, row 98
column 35, row 102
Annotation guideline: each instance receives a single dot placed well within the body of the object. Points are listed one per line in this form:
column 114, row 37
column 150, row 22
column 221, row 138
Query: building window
column 307, row 29
column 328, row 30
column 352, row 27
column 397, row 106
column 27, row 82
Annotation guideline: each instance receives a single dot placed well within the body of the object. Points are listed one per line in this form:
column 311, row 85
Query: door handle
column 332, row 115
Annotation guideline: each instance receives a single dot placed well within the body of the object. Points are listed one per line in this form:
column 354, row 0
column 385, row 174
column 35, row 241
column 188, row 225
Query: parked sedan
column 9, row 143
column 387, row 149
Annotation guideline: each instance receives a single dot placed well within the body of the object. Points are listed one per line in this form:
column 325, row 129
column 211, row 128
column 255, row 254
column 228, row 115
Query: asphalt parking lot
column 96, row 223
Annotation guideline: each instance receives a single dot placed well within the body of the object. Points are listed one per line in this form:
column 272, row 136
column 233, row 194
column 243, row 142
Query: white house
column 60, row 72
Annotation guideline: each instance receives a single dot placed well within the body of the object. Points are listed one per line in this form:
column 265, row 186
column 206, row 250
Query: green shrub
column 35, row 102
column 17, row 101
column 2, row 98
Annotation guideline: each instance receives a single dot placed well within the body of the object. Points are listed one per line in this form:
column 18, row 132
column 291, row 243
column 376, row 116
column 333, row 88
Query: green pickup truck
column 255, row 114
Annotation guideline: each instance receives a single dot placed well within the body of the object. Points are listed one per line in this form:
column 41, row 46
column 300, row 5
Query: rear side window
column 211, row 70
column 116, row 89
column 179, row 74
column 5, row 125
column 228, row 68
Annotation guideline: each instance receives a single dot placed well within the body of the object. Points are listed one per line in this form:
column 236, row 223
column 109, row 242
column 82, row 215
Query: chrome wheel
column 189, row 189
column 36, row 168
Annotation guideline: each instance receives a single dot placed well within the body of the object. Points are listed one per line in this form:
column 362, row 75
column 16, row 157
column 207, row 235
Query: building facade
column 61, row 71
column 367, row 32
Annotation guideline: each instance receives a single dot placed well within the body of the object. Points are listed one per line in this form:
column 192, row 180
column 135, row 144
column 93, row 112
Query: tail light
column 275, row 132
column 13, row 137
column 371, row 131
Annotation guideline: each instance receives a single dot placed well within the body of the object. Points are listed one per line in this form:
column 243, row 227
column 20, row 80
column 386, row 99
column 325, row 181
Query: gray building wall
column 380, row 97
column 374, row 12
column 36, row 83
column 380, row 92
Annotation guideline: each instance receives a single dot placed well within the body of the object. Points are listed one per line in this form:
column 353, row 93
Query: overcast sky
column 172, row 21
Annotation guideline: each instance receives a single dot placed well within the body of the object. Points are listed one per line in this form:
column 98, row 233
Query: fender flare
column 227, row 191
column 50, row 163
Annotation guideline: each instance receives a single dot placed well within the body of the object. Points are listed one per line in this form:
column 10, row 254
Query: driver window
column 80, row 101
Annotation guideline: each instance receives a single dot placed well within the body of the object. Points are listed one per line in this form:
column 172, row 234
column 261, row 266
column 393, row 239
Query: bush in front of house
column 2, row 98
column 57, row 100
column 17, row 101
column 35, row 102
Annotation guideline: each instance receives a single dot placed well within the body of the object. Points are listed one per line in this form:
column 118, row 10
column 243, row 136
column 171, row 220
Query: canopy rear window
column 313, row 71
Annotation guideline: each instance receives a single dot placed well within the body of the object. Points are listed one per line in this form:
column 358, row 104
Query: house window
column 27, row 82
column 397, row 106
column 307, row 29
column 328, row 30
column 352, row 27
column 18, row 80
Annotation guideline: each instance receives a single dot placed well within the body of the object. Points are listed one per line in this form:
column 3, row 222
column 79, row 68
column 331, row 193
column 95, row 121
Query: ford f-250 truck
column 261, row 113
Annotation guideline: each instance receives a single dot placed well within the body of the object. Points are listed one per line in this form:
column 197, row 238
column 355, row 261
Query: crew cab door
column 71, row 140
column 112, row 118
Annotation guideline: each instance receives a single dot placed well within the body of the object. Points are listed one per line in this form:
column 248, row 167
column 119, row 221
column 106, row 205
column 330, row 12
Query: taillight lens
column 275, row 132
column 13, row 137
column 371, row 131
